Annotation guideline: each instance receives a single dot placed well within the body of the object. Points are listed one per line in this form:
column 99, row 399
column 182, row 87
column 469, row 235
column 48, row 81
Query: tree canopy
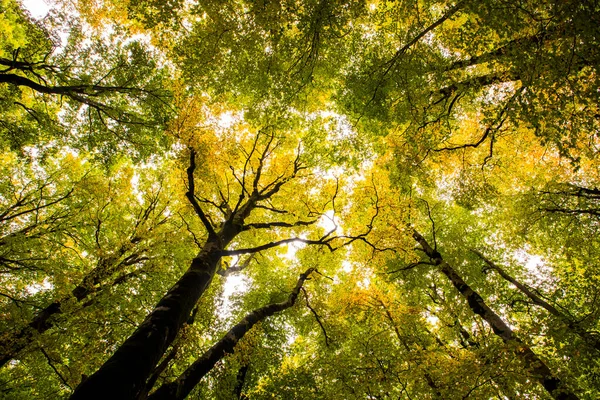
column 313, row 199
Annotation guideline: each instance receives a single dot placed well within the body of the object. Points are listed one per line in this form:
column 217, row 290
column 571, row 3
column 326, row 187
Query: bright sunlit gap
column 234, row 285
column 37, row 8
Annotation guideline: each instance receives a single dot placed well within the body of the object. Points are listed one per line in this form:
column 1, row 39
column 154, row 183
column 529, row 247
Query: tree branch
column 491, row 128
column 269, row 225
column 51, row 364
column 392, row 62
column 276, row 243
column 192, row 198
column 312, row 310
column 184, row 384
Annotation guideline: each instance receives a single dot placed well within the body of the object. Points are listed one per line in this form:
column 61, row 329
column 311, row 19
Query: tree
column 261, row 178
column 537, row 300
column 184, row 384
column 552, row 384
column 112, row 267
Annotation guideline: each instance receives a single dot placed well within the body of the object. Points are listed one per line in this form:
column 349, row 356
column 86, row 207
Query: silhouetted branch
column 269, row 225
column 181, row 387
column 191, row 197
column 51, row 364
column 312, row 310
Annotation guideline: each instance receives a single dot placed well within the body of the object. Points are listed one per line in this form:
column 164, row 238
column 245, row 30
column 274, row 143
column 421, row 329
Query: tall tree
column 540, row 370
column 260, row 181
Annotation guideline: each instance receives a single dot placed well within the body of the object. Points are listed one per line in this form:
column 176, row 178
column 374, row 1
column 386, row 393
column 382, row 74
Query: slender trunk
column 124, row 374
column 184, row 384
column 428, row 378
column 539, row 369
column 537, row 300
column 524, row 44
column 239, row 385
column 12, row 344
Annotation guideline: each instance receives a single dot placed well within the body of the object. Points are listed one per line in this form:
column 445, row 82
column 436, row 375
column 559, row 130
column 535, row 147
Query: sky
column 37, row 8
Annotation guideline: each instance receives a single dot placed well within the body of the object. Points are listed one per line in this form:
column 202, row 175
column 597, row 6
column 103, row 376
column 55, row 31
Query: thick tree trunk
column 124, row 375
column 538, row 368
column 184, row 384
column 537, row 300
column 12, row 344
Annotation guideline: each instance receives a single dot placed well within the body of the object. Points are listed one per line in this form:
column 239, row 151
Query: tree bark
column 239, row 385
column 539, row 369
column 124, row 375
column 184, row 384
column 537, row 300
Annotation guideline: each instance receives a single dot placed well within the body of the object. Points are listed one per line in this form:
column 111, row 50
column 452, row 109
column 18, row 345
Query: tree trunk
column 184, row 384
column 239, row 385
column 537, row 300
column 124, row 375
column 538, row 368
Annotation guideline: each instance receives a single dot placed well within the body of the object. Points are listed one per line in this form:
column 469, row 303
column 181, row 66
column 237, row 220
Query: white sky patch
column 433, row 320
column 347, row 266
column 135, row 182
column 533, row 262
column 292, row 249
column 500, row 92
column 234, row 285
column 328, row 221
column 364, row 284
column 223, row 121
column 37, row 8
column 539, row 273
column 38, row 287
column 342, row 128
column 367, row 273
column 226, row 120
column 290, row 334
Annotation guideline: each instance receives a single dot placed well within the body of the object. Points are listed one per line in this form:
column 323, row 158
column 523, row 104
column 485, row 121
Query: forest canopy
column 317, row 199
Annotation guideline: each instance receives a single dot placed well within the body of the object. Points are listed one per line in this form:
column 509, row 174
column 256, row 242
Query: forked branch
column 183, row 385
column 192, row 198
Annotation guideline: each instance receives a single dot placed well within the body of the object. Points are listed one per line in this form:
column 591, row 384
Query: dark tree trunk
column 537, row 300
column 538, row 368
column 239, row 385
column 184, row 384
column 124, row 375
